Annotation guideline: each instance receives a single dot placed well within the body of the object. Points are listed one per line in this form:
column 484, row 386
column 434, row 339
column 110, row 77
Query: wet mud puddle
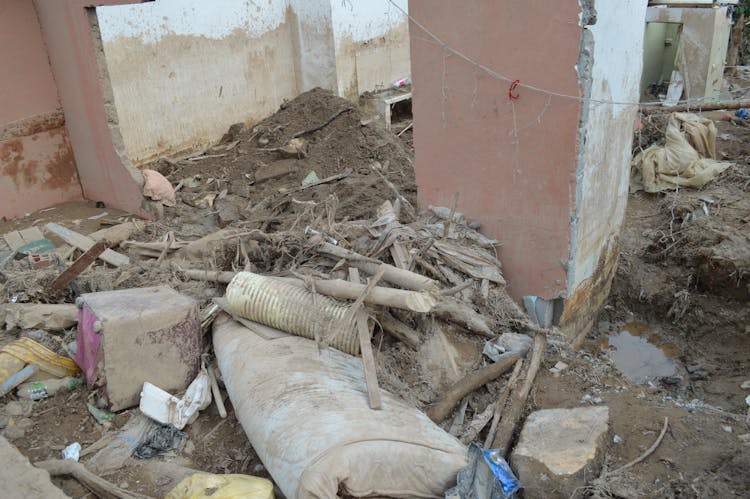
column 640, row 355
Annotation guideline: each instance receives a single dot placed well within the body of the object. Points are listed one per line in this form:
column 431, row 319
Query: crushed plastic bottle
column 72, row 452
column 500, row 468
column 401, row 82
column 38, row 390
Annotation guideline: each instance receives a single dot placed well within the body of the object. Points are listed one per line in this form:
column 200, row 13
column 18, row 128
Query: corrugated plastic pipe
column 292, row 309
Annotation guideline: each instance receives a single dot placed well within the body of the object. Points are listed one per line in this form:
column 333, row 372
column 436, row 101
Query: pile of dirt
column 260, row 187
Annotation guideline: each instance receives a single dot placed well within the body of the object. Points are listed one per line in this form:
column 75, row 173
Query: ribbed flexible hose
column 292, row 309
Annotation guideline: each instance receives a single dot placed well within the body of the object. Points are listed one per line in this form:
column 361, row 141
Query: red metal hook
column 513, row 86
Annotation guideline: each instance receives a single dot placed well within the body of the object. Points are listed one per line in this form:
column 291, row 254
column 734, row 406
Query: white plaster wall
column 183, row 71
column 604, row 170
column 372, row 44
column 703, row 43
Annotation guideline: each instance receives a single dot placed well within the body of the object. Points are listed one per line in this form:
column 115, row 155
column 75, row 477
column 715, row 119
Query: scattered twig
column 643, row 456
column 322, row 125
column 98, row 486
column 442, row 409
column 510, row 420
column 406, row 128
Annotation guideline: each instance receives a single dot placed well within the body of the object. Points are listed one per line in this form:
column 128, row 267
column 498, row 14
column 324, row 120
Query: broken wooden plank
column 14, row 240
column 365, row 347
column 413, row 301
column 442, row 409
column 400, row 255
column 510, row 418
column 463, row 315
column 84, row 243
column 399, row 330
column 400, row 277
column 81, row 264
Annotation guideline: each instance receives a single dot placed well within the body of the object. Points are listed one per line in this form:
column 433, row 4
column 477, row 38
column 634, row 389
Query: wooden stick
column 407, row 127
column 463, row 315
column 509, row 421
column 501, row 401
column 84, row 243
column 448, row 224
column 648, row 452
column 209, row 275
column 82, row 263
column 322, row 125
column 400, row 277
column 442, row 409
column 398, row 329
column 340, row 289
column 697, row 107
column 387, row 297
column 216, row 392
column 457, row 289
column 365, row 347
column 98, row 486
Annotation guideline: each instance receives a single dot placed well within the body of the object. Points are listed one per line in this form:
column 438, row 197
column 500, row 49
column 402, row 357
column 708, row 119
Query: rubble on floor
column 299, row 289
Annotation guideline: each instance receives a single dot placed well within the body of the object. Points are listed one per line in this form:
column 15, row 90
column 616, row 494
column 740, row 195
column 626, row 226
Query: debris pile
column 307, row 245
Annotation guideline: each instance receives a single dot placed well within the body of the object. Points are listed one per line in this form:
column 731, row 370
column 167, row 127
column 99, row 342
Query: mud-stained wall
column 606, row 134
column 372, row 45
column 512, row 162
column 703, row 46
column 183, row 71
column 37, row 168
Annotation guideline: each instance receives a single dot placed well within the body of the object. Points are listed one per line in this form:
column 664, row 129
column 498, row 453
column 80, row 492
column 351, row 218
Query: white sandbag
column 687, row 158
column 306, row 415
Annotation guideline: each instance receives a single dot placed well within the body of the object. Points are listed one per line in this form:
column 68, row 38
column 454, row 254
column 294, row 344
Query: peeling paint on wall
column 604, row 161
column 183, row 71
column 38, row 171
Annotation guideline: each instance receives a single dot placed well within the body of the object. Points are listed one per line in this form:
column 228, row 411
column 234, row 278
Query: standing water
column 637, row 357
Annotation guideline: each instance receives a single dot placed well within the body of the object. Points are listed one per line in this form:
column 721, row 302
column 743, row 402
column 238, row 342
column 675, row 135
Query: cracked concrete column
column 546, row 171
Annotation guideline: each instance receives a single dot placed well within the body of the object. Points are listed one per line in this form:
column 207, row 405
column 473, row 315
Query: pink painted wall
column 513, row 163
column 37, row 168
column 105, row 175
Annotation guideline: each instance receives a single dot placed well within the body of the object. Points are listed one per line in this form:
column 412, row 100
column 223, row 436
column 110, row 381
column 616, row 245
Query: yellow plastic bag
column 208, row 486
column 31, row 352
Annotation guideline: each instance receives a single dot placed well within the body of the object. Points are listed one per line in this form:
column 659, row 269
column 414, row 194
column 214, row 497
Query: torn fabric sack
column 687, row 159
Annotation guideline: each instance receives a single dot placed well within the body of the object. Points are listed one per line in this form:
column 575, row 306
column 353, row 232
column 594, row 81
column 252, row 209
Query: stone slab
column 20, row 479
column 559, row 450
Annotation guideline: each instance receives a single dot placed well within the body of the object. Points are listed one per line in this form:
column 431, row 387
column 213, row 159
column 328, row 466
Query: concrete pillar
column 545, row 174
column 74, row 47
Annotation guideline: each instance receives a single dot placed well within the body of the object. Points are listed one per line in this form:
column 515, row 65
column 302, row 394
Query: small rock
column 17, row 408
column 671, row 380
column 559, row 450
column 695, row 367
column 507, row 342
column 745, row 385
column 124, row 485
column 13, row 431
column 617, row 439
column 727, row 429
column 263, row 141
column 24, row 423
column 558, row 369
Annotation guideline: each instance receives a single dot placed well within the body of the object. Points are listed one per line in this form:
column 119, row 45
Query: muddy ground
column 679, row 303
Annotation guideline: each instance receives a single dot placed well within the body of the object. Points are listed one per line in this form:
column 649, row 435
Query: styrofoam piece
column 165, row 408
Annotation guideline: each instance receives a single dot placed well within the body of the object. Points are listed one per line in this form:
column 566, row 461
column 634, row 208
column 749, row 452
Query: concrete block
column 20, row 479
column 130, row 336
column 559, row 450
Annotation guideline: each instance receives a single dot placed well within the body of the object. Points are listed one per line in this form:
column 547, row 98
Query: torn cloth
column 687, row 159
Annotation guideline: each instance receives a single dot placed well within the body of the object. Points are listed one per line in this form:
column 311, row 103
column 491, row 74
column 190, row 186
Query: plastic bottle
column 401, row 82
column 37, row 390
